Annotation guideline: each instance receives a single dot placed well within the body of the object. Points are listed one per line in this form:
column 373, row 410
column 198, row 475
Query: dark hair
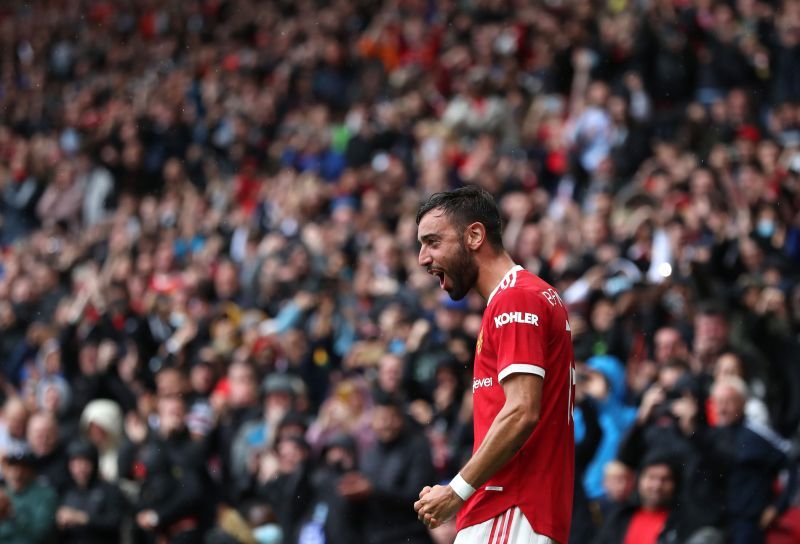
column 659, row 457
column 382, row 398
column 712, row 308
column 82, row 448
column 468, row 205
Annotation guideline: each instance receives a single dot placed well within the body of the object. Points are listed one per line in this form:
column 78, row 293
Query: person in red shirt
column 656, row 490
column 517, row 486
column 651, row 518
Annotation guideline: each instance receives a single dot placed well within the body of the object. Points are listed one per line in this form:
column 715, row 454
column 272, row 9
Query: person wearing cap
column 91, row 510
column 259, row 433
column 27, row 507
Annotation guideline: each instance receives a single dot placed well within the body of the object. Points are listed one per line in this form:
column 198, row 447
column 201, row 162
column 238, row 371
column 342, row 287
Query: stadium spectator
column 27, row 507
column 729, row 365
column 284, row 483
column 258, row 435
column 228, row 189
column 330, row 513
column 656, row 514
column 170, row 502
column 618, row 483
column 752, row 459
column 606, row 384
column 393, row 471
column 587, row 442
column 90, row 510
column 14, row 425
column 101, row 421
column 47, row 447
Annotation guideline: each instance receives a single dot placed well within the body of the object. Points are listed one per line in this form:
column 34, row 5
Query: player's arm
column 508, row 432
column 510, row 429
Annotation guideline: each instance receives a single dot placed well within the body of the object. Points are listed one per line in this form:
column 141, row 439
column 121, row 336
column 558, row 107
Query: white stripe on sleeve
column 519, row 368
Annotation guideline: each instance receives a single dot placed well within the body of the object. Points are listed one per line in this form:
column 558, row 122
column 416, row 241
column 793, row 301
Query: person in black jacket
column 51, row 457
column 285, row 477
column 91, row 510
column 665, row 424
column 392, row 473
column 332, row 517
column 751, row 457
column 168, row 505
column 583, row 526
column 174, row 499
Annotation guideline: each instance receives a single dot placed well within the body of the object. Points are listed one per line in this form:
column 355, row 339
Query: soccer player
column 517, row 487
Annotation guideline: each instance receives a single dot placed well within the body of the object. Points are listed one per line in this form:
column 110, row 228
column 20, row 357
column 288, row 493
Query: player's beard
column 464, row 272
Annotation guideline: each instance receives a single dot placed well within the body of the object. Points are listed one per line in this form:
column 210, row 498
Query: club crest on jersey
column 515, row 317
column 479, row 345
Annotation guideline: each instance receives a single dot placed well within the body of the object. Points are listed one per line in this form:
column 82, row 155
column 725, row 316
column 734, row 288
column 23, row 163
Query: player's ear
column 475, row 235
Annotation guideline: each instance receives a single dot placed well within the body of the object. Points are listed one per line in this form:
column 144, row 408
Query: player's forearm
column 507, row 434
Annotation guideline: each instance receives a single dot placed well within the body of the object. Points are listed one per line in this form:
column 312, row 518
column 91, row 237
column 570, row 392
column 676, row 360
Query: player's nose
column 424, row 258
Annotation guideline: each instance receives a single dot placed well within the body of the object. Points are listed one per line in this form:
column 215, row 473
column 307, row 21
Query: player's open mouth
column 439, row 274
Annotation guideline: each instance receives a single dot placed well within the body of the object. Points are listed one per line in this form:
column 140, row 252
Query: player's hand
column 437, row 505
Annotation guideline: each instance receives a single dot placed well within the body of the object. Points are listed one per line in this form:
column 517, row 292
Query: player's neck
column 491, row 273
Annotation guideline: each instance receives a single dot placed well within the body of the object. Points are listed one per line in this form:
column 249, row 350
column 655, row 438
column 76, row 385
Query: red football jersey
column 525, row 328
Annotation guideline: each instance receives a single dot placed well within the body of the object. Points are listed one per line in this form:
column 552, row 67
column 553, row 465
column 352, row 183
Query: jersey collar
column 509, row 279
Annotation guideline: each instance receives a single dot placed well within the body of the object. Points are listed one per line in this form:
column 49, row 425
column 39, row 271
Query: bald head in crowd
column 42, row 433
column 15, row 415
column 729, row 396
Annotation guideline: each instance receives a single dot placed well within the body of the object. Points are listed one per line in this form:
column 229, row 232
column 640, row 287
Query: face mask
column 765, row 228
column 268, row 534
column 617, row 284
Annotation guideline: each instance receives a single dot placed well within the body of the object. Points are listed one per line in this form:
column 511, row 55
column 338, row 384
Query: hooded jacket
column 615, row 418
column 108, row 416
column 101, row 501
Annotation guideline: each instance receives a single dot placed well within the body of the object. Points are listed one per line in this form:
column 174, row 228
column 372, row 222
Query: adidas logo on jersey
column 515, row 317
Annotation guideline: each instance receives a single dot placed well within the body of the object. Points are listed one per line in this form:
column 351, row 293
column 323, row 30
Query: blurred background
column 213, row 326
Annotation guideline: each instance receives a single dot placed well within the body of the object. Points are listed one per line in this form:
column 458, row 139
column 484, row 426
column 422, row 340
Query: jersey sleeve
column 519, row 328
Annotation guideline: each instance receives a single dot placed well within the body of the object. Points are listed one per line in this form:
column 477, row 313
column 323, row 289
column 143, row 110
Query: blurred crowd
column 213, row 325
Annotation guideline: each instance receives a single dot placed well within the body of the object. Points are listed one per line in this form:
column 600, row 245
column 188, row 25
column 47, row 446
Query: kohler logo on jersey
column 515, row 317
column 477, row 383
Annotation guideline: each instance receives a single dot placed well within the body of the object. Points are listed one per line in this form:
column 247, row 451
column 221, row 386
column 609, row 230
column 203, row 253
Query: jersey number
column 571, row 392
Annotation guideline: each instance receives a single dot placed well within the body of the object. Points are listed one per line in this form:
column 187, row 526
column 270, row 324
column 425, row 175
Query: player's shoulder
column 523, row 286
